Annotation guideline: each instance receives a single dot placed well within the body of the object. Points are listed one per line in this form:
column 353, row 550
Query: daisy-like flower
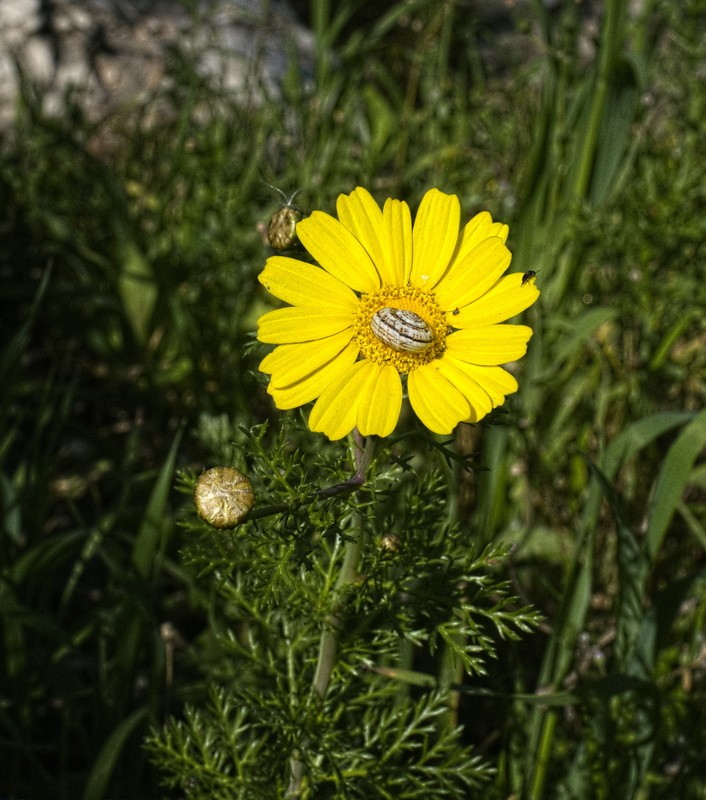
column 394, row 304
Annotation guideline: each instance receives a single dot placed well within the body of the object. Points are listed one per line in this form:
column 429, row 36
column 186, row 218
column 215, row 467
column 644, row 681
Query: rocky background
column 109, row 55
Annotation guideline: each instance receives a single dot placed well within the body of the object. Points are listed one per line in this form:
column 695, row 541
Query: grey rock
column 113, row 54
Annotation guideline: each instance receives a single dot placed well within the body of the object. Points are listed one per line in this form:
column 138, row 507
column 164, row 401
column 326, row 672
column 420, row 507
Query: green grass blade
column 655, row 626
column 580, row 330
column 14, row 652
column 657, row 622
column 560, row 650
column 575, row 612
column 697, row 530
column 153, row 527
column 136, row 285
column 557, row 660
column 93, row 542
column 610, row 45
column 105, row 763
column 492, row 483
column 672, row 479
column 627, row 444
column 632, row 564
column 615, row 131
column 638, row 435
column 14, row 347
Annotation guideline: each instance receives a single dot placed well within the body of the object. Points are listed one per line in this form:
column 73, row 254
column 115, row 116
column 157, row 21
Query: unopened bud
column 223, row 497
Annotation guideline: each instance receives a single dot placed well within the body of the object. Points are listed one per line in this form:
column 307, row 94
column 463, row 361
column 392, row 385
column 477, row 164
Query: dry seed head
column 223, row 497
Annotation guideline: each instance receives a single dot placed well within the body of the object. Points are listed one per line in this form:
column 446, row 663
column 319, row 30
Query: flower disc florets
column 409, row 299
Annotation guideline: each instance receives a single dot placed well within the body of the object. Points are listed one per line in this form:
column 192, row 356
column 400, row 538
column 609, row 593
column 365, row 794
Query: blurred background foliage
column 129, row 252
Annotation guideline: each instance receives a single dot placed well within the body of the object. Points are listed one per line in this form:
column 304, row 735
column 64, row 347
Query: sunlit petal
column 338, row 251
column 310, row 387
column 476, row 230
column 397, row 264
column 503, row 301
column 336, row 410
column 359, row 212
column 303, row 284
column 489, row 345
column 289, row 363
column 435, row 400
column 434, row 237
column 496, row 381
column 380, row 405
column 298, row 324
column 474, row 275
column 478, row 398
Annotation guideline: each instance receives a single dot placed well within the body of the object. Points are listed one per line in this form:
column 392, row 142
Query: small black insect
column 456, row 312
column 528, row 276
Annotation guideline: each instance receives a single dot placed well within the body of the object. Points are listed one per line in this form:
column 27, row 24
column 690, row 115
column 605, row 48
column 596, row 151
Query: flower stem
column 363, row 456
column 328, row 643
column 329, row 635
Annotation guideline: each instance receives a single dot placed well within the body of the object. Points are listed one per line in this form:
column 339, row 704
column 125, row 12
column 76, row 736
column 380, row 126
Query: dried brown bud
column 223, row 497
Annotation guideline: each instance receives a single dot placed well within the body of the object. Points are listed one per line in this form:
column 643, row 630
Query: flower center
column 402, row 326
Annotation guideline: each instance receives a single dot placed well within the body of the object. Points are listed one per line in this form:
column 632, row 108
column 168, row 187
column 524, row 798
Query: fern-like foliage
column 363, row 743
column 423, row 597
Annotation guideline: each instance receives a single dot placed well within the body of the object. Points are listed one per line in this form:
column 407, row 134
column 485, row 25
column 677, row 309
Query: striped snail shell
column 401, row 329
column 223, row 497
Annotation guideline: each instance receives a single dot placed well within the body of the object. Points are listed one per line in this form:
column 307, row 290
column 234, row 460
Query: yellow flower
column 392, row 300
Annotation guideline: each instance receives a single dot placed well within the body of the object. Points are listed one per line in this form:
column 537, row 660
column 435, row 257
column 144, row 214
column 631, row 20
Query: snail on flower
column 403, row 330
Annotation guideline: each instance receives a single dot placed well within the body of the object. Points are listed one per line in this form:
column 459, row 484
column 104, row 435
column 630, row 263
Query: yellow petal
column 336, row 410
column 289, row 363
column 338, row 251
column 496, row 381
column 507, row 298
column 476, row 229
column 303, row 284
column 500, row 230
column 491, row 345
column 473, row 233
column 457, row 373
column 310, row 387
column 474, row 275
column 397, row 264
column 434, row 237
column 359, row 212
column 298, row 324
column 380, row 403
column 435, row 400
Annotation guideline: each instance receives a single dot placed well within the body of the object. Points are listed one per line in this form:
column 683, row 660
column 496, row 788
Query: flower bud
column 223, row 497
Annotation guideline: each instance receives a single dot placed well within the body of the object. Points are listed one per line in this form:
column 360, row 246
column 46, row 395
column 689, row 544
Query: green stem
column 450, row 675
column 544, row 756
column 347, row 486
column 329, row 636
column 328, row 644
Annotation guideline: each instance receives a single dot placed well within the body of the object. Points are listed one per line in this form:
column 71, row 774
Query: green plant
column 129, row 296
